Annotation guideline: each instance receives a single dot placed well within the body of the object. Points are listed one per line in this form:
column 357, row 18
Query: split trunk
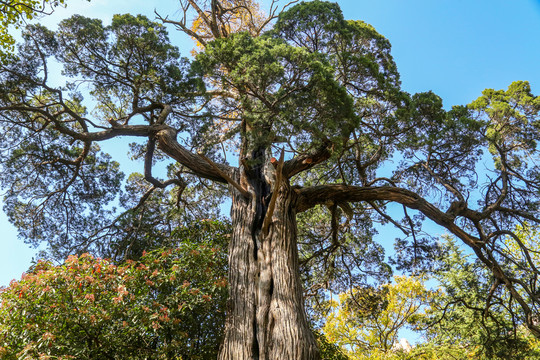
column 266, row 318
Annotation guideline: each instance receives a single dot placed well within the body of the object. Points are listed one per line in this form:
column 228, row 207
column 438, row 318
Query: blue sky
column 455, row 48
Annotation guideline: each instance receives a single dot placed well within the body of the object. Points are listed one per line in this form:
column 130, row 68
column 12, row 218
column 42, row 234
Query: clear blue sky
column 455, row 48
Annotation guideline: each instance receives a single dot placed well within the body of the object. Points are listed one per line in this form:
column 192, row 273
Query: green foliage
column 326, row 263
column 359, row 54
column 168, row 305
column 141, row 64
column 165, row 216
column 124, row 59
column 512, row 126
column 295, row 83
column 328, row 350
column 93, row 185
column 470, row 317
column 327, row 92
column 455, row 321
column 310, row 92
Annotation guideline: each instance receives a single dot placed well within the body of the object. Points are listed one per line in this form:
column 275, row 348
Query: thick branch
column 315, row 195
column 148, row 159
column 311, row 196
column 167, row 142
column 117, row 130
column 227, row 178
column 306, row 161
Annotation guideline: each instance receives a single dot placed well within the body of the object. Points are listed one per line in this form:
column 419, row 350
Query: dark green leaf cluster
column 60, row 187
column 328, row 350
column 284, row 91
column 50, row 197
column 131, row 58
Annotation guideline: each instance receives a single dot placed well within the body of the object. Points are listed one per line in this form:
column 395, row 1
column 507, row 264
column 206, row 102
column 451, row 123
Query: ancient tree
column 309, row 106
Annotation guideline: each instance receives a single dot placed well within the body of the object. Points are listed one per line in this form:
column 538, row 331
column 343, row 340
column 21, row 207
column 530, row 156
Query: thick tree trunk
column 266, row 317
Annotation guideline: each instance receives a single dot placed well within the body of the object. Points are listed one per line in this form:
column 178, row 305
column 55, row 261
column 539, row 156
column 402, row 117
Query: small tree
column 470, row 317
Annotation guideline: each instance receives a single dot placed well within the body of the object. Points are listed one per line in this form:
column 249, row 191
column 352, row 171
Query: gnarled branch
column 226, row 177
column 311, row 196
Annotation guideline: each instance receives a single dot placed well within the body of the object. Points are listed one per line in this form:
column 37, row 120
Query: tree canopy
column 302, row 117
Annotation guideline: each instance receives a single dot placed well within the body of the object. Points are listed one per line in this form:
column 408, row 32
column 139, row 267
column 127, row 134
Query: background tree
column 313, row 110
column 15, row 13
column 365, row 322
column 463, row 319
column 471, row 318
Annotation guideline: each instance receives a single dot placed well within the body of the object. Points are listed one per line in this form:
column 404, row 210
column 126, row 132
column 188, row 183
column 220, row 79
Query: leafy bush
column 168, row 305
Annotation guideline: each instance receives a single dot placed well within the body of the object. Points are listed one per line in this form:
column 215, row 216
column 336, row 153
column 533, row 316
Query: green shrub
column 168, row 305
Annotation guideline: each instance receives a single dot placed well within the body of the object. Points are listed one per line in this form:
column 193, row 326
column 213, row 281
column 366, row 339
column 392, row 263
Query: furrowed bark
column 240, row 334
column 285, row 330
column 266, row 317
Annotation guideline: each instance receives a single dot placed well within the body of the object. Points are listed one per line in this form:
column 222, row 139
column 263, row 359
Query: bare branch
column 388, row 218
column 277, row 185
